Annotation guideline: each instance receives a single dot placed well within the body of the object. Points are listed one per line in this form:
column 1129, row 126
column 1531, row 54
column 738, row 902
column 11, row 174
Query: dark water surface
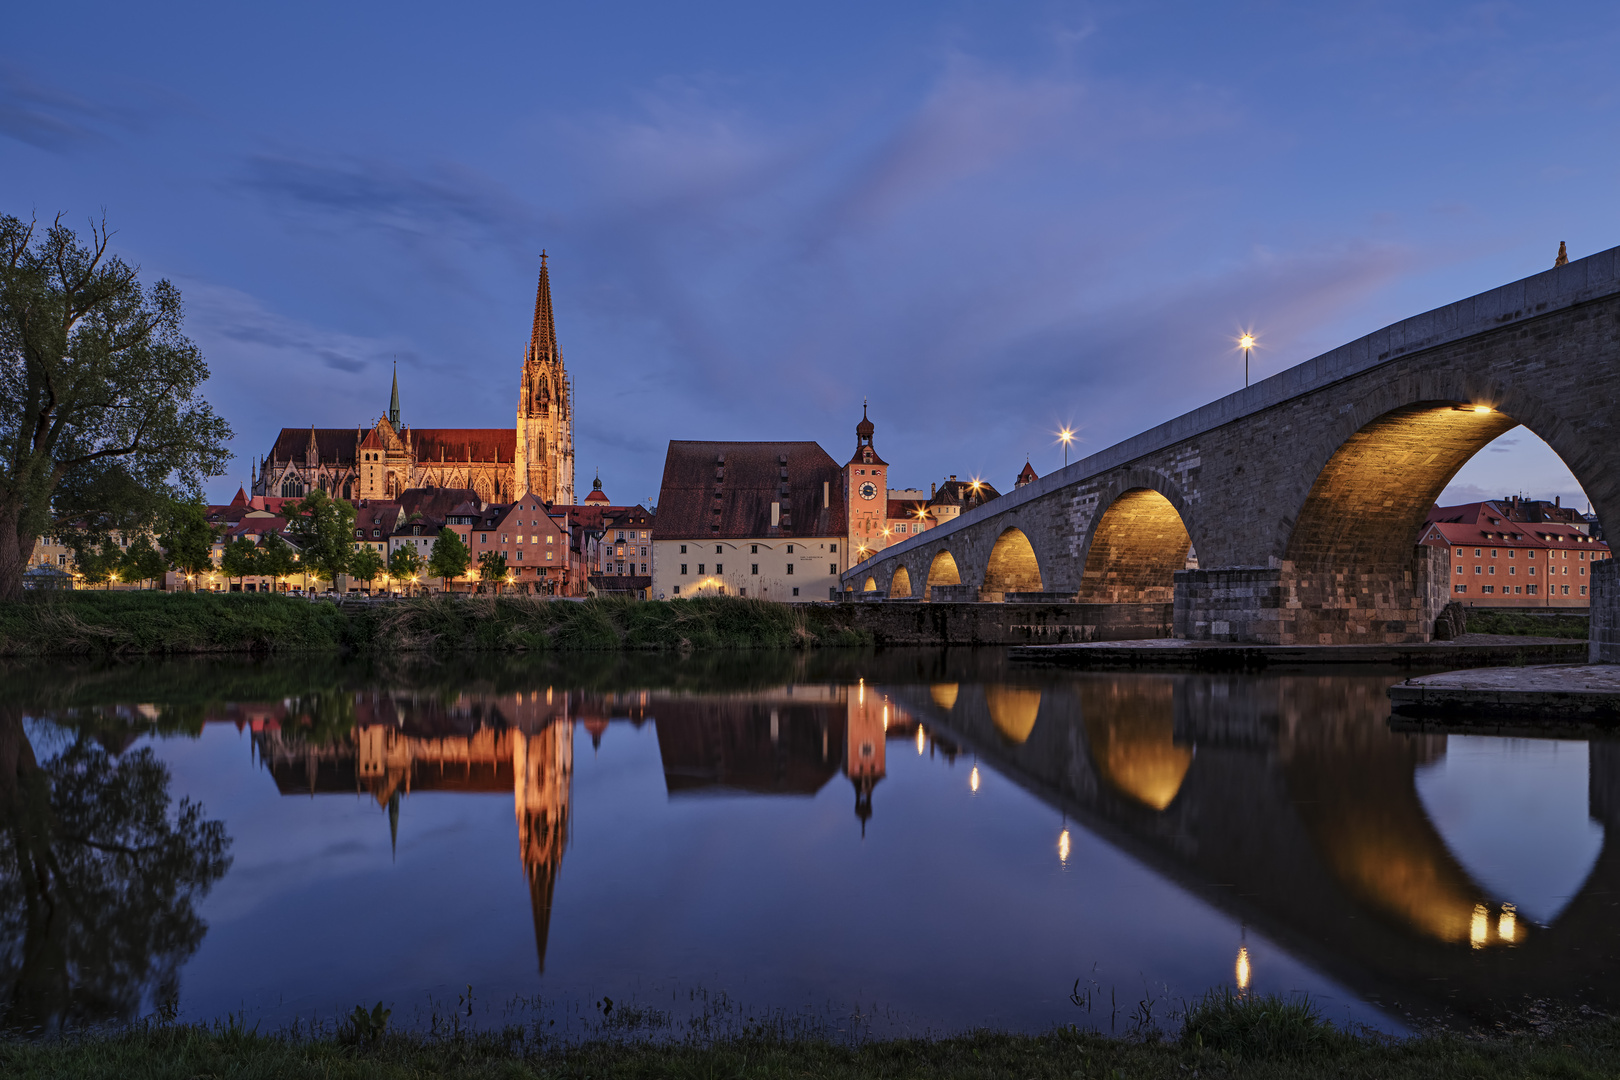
column 903, row 841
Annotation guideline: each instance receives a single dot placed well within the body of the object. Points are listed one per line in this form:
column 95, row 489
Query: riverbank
column 1255, row 1043
column 166, row 624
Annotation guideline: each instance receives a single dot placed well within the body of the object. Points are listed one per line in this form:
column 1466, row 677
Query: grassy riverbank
column 161, row 624
column 1552, row 623
column 1248, row 1044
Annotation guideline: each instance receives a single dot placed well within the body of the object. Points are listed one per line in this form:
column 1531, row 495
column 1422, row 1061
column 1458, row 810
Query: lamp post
column 1066, row 436
column 1246, row 343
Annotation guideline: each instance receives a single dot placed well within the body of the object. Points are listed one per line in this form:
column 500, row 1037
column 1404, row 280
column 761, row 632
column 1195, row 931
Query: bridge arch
column 1137, row 541
column 871, row 584
column 900, row 584
column 1011, row 567
column 1352, row 570
column 941, row 571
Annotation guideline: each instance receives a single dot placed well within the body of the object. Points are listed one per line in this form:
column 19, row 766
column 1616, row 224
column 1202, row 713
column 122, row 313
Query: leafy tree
column 239, row 559
column 142, row 561
column 492, row 567
column 404, row 563
column 365, row 565
column 101, row 418
column 99, row 565
column 277, row 558
column 323, row 529
column 101, row 876
column 188, row 538
column 449, row 557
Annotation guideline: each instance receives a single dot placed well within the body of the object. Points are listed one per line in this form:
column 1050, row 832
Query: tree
column 365, row 565
column 239, row 559
column 449, row 557
column 142, row 561
column 323, row 529
column 101, row 879
column 188, row 538
column 98, row 565
column 101, row 418
column 404, row 563
column 277, row 558
column 492, row 567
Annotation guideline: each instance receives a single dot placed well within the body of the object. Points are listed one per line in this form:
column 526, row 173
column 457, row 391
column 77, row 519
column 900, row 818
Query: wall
column 937, row 623
column 1603, row 644
column 813, row 559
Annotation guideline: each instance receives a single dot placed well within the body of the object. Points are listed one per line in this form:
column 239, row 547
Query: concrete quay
column 1542, row 699
column 1468, row 651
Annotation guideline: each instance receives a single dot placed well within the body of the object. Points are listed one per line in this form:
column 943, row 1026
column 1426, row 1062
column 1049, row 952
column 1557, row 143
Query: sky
column 988, row 219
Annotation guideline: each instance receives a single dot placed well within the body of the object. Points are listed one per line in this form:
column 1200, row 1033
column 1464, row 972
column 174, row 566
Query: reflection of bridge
column 1293, row 807
column 1302, row 496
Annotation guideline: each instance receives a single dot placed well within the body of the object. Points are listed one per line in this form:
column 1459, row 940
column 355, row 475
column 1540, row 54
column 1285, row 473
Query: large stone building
column 1501, row 559
column 535, row 456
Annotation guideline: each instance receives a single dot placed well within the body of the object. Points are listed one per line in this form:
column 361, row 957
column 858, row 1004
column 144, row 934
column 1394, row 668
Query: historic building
column 1500, row 559
column 535, row 456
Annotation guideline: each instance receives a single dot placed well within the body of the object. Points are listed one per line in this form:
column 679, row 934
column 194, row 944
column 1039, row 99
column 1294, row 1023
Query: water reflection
column 1381, row 858
column 99, row 879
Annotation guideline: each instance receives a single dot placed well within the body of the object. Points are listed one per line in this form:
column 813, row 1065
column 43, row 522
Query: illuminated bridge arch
column 871, row 584
column 1135, row 546
column 900, row 584
column 942, row 571
column 1012, row 567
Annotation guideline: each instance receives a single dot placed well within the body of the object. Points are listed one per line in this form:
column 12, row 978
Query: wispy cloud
column 44, row 116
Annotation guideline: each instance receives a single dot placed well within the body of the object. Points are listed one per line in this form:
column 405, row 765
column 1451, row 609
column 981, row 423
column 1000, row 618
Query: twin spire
column 543, row 340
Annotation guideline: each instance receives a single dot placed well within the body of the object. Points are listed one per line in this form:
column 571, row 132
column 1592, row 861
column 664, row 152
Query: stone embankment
column 1562, row 696
column 1470, row 650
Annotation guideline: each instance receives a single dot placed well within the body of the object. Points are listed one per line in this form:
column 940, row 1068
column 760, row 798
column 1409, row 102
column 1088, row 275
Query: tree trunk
column 13, row 559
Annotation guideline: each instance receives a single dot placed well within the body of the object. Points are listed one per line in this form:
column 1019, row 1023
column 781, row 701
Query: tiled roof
column 464, row 444
column 333, row 444
column 434, row 504
column 954, row 492
column 723, row 489
column 906, row 508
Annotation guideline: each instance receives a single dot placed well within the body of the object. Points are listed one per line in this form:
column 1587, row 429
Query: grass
column 1223, row 1036
column 165, row 624
column 1553, row 624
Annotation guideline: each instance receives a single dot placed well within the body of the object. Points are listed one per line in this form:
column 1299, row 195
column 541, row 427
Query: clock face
column 869, row 490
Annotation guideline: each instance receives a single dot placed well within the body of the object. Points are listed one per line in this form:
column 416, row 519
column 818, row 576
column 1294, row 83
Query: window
column 683, row 568
column 1476, row 553
column 1459, row 569
column 700, row 569
column 1513, row 570
column 1476, row 570
column 832, row 568
column 790, row 549
column 1566, row 590
column 1493, row 553
column 1583, row 590
column 620, row 536
column 1530, row 590
column 520, row 555
column 834, row 547
column 1459, row 588
column 483, row 538
column 520, row 538
column 643, row 553
column 1459, row 553
column 683, row 552
column 1493, row 569
column 755, row 569
column 1487, row 588
column 1532, row 571
column 548, row 556
column 790, row 572
column 796, row 591
column 718, row 568
column 718, row 550
column 753, row 549
column 643, row 568
column 678, row 588
column 551, row 539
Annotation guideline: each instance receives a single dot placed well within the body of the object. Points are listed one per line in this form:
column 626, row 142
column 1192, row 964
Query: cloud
column 47, row 118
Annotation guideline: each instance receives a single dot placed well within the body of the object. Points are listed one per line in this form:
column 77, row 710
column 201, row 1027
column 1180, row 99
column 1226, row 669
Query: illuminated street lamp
column 1246, row 343
column 1066, row 436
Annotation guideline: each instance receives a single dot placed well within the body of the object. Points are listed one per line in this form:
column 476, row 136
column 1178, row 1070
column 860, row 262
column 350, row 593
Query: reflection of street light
column 973, row 780
column 1242, row 969
column 1066, row 436
column 1063, row 846
column 1246, row 343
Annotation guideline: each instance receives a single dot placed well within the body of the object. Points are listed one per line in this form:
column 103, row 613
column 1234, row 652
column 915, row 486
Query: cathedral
column 535, row 456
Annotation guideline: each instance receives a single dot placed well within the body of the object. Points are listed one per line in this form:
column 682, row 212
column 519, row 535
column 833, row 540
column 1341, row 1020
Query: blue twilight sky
column 990, row 219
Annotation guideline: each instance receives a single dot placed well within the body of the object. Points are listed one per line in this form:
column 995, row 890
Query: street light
column 1246, row 343
column 1066, row 436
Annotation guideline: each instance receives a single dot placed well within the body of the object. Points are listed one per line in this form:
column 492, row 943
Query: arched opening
column 944, row 694
column 870, row 586
column 1012, row 567
column 1013, row 710
column 900, row 585
column 1136, row 548
column 1353, row 572
column 1130, row 725
column 942, row 571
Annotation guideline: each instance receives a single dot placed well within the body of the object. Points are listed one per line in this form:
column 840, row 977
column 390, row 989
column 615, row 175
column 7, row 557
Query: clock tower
column 866, row 486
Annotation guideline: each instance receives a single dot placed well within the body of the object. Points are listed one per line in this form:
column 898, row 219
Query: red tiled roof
column 702, row 497
column 434, row 504
column 333, row 444
column 464, row 444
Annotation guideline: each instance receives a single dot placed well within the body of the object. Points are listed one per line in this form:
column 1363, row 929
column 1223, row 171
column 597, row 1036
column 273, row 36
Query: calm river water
column 894, row 842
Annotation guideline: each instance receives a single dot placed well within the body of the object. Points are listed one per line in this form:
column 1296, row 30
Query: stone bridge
column 1289, row 512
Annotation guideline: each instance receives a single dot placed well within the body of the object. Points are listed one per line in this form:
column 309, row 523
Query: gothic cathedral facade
column 500, row 464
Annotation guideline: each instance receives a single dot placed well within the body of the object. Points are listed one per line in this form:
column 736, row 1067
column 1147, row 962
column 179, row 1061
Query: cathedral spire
column 393, row 400
column 543, row 339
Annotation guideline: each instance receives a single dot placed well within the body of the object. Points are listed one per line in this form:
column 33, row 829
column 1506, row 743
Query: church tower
column 866, row 489
column 544, row 463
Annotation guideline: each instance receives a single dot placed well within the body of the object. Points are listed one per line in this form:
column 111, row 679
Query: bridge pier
column 1603, row 639
column 1324, row 606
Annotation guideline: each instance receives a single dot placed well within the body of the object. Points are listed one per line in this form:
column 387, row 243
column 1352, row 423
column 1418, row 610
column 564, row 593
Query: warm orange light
column 1066, row 436
column 1063, row 846
column 1246, row 341
column 973, row 779
column 1243, row 970
column 1482, row 408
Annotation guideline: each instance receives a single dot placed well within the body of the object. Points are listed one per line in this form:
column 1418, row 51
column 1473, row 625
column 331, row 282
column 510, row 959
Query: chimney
column 1558, row 500
column 826, row 494
column 933, row 489
column 776, row 514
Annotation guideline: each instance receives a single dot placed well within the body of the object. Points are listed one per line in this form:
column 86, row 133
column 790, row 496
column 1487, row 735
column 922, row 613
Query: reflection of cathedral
column 527, row 748
column 500, row 464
